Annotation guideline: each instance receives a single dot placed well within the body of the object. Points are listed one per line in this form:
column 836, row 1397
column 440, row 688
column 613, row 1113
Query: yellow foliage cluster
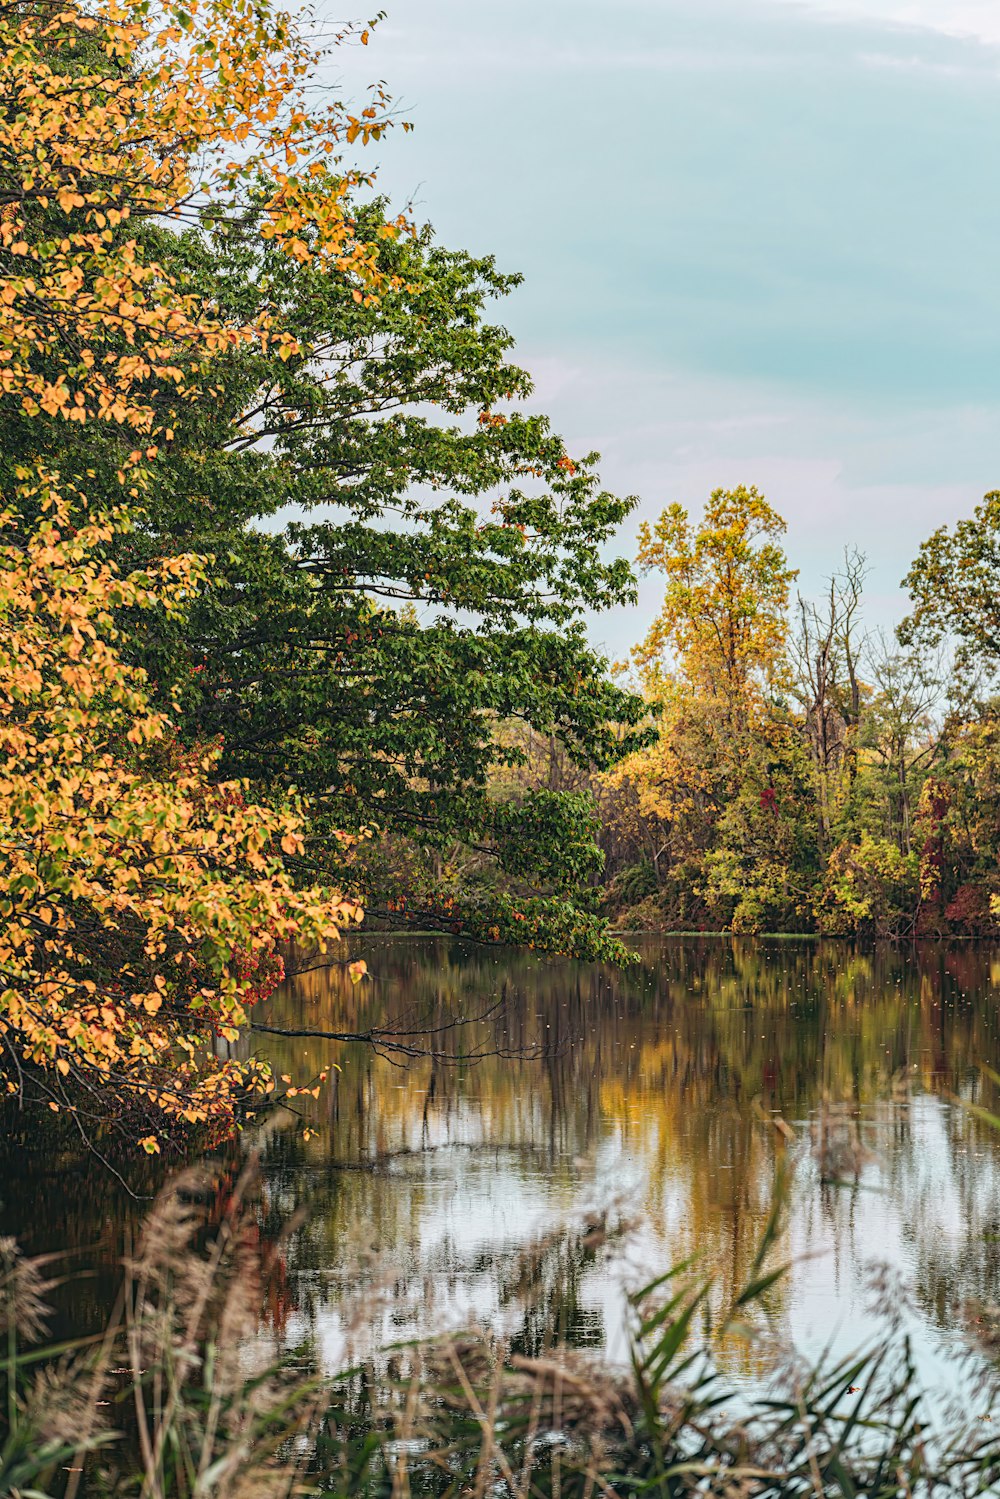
column 128, row 900
column 715, row 652
column 135, row 110
column 138, row 897
column 722, row 624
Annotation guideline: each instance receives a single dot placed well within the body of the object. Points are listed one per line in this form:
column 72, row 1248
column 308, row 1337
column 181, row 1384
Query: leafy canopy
column 954, row 585
column 430, row 588
column 723, row 621
column 143, row 900
column 130, row 111
column 138, row 900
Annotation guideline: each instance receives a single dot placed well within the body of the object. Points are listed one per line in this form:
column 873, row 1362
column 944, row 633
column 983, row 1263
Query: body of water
column 475, row 1186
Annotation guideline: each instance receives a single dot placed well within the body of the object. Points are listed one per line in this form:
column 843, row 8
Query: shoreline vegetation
column 169, row 1401
column 799, row 772
column 371, row 932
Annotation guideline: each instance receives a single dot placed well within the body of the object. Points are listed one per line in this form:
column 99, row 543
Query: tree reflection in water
column 668, row 1094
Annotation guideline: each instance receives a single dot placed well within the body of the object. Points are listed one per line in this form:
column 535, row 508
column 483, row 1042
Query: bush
column 870, row 887
column 632, row 885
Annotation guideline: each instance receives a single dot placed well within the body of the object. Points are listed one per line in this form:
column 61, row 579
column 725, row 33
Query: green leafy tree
column 398, row 566
column 871, row 887
column 954, row 585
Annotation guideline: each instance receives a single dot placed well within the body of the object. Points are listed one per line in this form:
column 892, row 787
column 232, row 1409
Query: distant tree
column 825, row 651
column 724, row 779
column 723, row 622
column 954, row 585
column 900, row 732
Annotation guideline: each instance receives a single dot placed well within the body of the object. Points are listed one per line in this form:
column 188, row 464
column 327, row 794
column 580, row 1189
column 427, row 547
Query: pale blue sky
column 760, row 242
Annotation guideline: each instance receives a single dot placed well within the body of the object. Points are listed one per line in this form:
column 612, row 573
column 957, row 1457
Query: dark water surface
column 443, row 1192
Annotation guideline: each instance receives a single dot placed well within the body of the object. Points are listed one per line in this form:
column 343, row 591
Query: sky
column 759, row 239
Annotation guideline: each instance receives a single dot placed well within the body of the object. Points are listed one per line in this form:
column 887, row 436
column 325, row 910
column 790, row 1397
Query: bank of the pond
column 474, row 1414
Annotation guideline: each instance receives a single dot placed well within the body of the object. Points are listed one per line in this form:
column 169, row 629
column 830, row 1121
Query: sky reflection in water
column 657, row 1097
column 444, row 1193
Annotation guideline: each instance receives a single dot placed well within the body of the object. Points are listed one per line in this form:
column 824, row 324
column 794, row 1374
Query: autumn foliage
column 143, row 902
column 809, row 774
column 126, row 112
column 137, row 900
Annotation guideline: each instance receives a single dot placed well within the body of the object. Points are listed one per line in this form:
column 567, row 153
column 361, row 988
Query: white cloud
column 912, row 63
column 973, row 20
column 833, row 470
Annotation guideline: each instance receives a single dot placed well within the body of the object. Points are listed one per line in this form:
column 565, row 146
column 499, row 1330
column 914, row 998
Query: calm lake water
column 442, row 1192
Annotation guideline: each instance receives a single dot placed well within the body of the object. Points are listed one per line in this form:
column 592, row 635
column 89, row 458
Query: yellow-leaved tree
column 716, row 785
column 722, row 628
column 127, row 111
column 139, row 902
column 714, row 655
column 142, row 904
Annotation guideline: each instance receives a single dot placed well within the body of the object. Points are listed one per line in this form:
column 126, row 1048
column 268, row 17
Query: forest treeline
column 294, row 590
column 808, row 773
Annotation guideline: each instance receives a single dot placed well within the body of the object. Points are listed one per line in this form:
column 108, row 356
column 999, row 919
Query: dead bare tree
column 826, row 648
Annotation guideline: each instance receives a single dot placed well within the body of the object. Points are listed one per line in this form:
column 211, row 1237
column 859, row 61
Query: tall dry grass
column 183, row 1397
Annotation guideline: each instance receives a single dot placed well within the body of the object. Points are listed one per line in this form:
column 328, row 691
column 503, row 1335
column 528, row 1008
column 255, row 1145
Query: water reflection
column 659, row 1091
column 439, row 1191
